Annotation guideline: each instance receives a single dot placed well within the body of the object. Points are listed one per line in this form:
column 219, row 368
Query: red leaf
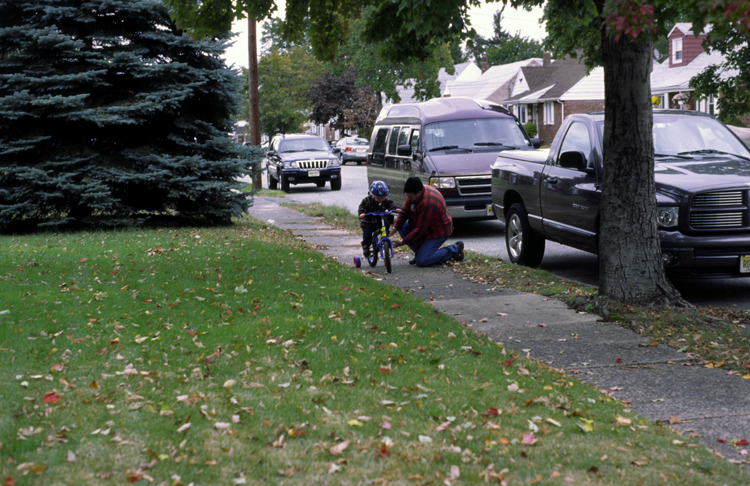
column 57, row 367
column 386, row 371
column 491, row 412
column 344, row 288
column 101, row 351
column 82, row 260
column 114, row 342
column 256, row 308
column 618, row 360
column 395, row 306
column 721, row 440
column 9, row 481
column 52, row 397
column 192, row 333
column 509, row 362
column 742, row 442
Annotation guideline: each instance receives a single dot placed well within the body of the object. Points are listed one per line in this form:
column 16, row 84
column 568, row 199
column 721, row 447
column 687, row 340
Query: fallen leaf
column 528, row 439
column 619, row 420
column 395, row 306
column 57, row 367
column 674, row 420
column 588, row 425
column 52, row 397
column 184, row 427
column 424, row 439
column 618, row 360
column 490, row 412
column 339, row 448
column 385, row 425
column 355, row 423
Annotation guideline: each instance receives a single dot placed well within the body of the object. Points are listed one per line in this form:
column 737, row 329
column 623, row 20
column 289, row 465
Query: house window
column 677, row 50
column 711, row 105
column 522, row 114
column 549, row 113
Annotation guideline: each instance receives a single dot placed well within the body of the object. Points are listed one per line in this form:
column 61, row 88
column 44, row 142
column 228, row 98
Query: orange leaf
column 9, row 481
column 395, row 306
column 57, row 367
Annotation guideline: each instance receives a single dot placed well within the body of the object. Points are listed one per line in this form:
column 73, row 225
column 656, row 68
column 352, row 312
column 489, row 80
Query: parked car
column 702, row 185
column 352, row 149
column 301, row 159
column 450, row 143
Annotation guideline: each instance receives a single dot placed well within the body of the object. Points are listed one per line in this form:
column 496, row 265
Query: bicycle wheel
column 387, row 250
column 373, row 260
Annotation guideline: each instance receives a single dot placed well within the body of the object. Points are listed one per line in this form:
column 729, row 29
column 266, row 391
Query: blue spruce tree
column 111, row 116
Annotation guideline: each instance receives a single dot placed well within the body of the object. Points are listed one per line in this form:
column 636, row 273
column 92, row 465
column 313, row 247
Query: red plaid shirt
column 428, row 218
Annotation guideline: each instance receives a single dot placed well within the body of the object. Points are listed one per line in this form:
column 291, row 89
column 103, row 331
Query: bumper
column 469, row 208
column 298, row 176
column 353, row 156
column 705, row 257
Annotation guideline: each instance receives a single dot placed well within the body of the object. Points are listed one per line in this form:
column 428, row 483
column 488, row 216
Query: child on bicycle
column 375, row 202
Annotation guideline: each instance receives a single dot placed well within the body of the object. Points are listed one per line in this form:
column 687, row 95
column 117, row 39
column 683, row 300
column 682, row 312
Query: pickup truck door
column 570, row 197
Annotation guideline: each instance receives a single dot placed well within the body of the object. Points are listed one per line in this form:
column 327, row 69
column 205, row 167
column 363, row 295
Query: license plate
column 313, row 173
column 745, row 264
column 361, row 150
column 489, row 210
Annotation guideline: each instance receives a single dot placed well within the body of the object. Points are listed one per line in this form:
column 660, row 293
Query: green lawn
column 240, row 356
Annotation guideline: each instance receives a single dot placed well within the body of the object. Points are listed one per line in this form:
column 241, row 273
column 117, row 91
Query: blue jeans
column 430, row 252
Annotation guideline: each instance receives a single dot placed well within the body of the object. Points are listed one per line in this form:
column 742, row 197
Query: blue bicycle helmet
column 379, row 189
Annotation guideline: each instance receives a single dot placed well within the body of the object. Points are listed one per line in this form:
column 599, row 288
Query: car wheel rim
column 515, row 236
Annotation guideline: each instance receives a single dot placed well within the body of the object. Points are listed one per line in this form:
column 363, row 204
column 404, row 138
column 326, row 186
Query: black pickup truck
column 702, row 192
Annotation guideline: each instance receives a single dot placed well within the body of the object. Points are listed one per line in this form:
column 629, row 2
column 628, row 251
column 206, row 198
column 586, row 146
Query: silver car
column 352, row 149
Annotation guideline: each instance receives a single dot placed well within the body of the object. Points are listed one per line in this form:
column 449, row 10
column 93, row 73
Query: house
column 464, row 72
column 687, row 58
column 494, row 84
column 545, row 94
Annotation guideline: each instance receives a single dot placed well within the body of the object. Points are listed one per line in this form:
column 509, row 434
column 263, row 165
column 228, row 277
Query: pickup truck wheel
column 524, row 246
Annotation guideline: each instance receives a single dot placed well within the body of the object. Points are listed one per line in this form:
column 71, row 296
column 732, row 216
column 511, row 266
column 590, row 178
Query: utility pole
column 252, row 94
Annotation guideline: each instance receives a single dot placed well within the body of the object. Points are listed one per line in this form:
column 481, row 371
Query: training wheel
column 357, row 261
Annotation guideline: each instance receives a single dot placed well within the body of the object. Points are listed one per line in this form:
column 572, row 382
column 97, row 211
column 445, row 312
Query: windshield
column 684, row 136
column 357, row 141
column 303, row 145
column 473, row 134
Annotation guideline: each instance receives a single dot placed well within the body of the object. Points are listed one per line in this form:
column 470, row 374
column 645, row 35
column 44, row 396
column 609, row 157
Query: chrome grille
column 713, row 199
column 312, row 164
column 716, row 220
column 719, row 210
column 474, row 186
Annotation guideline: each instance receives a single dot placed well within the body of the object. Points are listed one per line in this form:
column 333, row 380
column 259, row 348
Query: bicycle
column 381, row 244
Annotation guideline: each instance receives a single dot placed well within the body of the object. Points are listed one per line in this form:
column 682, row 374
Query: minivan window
column 485, row 134
column 414, row 141
column 378, row 147
column 403, row 137
column 393, row 142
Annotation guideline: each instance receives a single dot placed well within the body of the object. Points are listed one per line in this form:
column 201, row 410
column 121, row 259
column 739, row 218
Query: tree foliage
column 110, row 115
column 284, row 79
column 338, row 101
column 502, row 47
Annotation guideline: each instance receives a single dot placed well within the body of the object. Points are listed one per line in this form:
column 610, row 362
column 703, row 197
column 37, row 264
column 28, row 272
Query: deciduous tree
column 502, row 47
column 338, row 101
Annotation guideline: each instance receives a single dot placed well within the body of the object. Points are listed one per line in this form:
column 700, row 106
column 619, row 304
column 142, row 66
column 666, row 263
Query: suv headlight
column 667, row 217
column 291, row 165
column 443, row 182
column 333, row 162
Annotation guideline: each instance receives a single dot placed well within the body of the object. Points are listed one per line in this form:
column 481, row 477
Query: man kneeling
column 424, row 225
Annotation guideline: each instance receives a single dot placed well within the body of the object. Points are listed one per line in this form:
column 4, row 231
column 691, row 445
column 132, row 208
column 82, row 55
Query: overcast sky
column 481, row 19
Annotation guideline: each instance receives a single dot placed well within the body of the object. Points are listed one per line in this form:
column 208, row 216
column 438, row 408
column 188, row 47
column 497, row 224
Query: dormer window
column 677, row 50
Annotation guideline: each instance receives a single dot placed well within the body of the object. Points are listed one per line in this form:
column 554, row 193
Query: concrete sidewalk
column 656, row 381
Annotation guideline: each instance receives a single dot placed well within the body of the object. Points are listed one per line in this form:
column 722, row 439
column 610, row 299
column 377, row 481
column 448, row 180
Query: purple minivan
column 450, row 143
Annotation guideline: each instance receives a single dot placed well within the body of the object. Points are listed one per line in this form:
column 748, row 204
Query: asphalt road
column 488, row 238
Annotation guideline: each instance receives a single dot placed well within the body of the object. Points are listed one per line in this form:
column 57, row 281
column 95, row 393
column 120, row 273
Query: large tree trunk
column 630, row 265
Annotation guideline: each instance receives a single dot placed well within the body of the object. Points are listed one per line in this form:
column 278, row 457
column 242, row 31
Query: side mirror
column 536, row 142
column 336, row 150
column 403, row 150
column 271, row 152
column 573, row 160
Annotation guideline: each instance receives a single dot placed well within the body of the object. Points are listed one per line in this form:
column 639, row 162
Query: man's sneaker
column 413, row 261
column 460, row 255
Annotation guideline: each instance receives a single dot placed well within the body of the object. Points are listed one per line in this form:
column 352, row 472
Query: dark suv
column 301, row 159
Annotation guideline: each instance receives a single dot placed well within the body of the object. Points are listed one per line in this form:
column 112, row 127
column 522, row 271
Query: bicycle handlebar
column 383, row 213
